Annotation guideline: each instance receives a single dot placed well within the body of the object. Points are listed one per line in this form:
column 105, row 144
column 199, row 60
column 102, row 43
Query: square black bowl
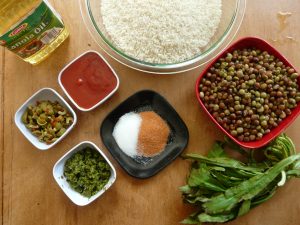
column 143, row 101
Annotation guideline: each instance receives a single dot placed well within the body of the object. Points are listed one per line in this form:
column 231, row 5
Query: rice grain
column 158, row 31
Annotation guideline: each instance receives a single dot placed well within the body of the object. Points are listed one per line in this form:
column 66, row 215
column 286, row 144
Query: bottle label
column 33, row 33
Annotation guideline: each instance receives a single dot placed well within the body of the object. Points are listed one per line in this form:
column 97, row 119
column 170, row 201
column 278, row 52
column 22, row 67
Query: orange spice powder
column 153, row 135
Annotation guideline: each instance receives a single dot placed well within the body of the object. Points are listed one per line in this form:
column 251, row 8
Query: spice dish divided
column 145, row 102
column 141, row 134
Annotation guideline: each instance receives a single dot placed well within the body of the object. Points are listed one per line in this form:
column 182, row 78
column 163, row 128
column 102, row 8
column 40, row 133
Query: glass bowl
column 232, row 15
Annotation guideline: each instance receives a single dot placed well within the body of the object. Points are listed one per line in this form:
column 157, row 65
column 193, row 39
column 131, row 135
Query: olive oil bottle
column 32, row 29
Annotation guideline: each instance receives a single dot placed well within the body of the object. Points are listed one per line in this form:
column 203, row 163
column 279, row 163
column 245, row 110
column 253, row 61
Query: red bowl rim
column 281, row 126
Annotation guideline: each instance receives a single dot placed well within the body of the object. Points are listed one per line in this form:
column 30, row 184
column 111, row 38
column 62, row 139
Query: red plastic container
column 258, row 43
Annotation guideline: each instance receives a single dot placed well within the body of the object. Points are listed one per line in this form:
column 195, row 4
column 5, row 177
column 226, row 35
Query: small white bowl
column 58, row 174
column 43, row 94
column 104, row 99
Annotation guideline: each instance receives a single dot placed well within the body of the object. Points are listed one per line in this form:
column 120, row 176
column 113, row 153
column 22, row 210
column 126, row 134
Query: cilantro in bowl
column 87, row 172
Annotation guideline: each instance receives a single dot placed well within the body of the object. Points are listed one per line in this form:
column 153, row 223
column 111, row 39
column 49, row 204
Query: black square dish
column 178, row 139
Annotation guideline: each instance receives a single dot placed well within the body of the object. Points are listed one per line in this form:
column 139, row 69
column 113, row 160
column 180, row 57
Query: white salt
column 126, row 133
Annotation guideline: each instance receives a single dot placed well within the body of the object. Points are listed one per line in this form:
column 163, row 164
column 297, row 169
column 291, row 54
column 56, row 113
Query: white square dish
column 102, row 100
column 43, row 94
column 58, row 174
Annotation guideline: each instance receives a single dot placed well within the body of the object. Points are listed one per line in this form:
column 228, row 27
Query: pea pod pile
column 224, row 188
column 47, row 120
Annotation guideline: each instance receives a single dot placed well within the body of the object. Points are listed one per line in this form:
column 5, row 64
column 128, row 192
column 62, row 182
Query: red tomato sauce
column 88, row 80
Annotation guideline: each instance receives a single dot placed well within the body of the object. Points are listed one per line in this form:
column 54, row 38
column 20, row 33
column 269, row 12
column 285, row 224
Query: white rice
column 161, row 31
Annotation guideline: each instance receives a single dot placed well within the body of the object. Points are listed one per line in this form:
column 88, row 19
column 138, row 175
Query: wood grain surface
column 30, row 196
column 1, row 129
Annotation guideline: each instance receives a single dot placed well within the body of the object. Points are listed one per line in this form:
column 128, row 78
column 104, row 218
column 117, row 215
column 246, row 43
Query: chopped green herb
column 87, row 172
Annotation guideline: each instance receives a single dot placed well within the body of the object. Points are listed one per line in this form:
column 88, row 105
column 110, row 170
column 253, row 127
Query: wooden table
column 29, row 193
